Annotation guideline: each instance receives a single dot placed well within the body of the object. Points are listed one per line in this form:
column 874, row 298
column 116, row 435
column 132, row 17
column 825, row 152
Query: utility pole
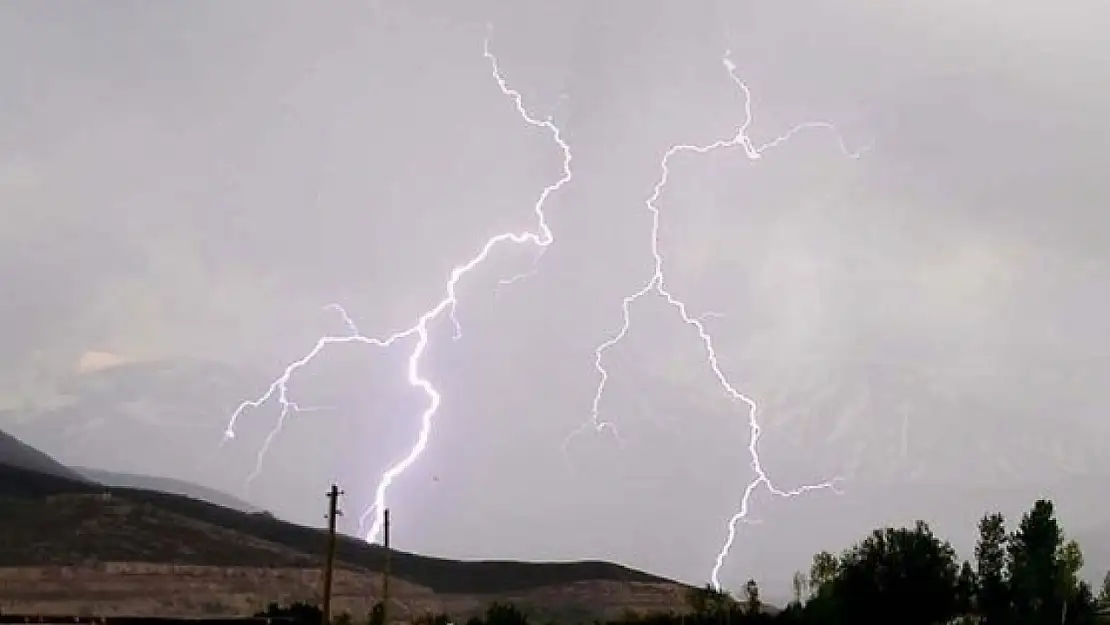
column 333, row 513
column 387, row 571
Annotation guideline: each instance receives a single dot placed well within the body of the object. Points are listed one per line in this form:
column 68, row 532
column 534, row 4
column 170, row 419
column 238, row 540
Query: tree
column 1037, row 570
column 505, row 614
column 800, row 586
column 300, row 611
column 709, row 602
column 823, row 570
column 752, row 604
column 906, row 576
column 1082, row 608
column 1104, row 592
column 1070, row 557
column 967, row 585
column 993, row 597
column 1079, row 600
column 822, row 606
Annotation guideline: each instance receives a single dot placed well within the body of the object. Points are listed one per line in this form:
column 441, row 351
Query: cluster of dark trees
column 909, row 576
column 905, row 576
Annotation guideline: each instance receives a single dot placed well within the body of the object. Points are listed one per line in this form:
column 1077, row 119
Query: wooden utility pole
column 386, row 573
column 333, row 514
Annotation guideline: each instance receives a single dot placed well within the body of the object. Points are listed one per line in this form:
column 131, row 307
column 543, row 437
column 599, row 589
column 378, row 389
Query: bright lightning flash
column 419, row 331
column 657, row 285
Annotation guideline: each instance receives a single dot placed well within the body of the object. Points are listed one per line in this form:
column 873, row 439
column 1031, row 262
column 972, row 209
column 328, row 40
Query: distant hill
column 440, row 575
column 15, row 453
column 92, row 413
column 41, row 531
column 61, row 519
column 166, row 485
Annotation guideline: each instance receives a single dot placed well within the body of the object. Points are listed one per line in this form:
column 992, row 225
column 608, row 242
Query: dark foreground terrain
column 69, row 545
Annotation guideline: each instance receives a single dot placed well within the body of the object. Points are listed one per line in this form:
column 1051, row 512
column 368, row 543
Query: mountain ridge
column 56, row 520
column 16, row 453
column 166, row 485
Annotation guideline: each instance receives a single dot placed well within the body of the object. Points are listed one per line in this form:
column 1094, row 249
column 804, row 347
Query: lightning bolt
column 420, row 330
column 657, row 285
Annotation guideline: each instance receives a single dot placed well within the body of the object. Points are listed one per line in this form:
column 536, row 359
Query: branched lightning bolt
column 657, row 285
column 541, row 239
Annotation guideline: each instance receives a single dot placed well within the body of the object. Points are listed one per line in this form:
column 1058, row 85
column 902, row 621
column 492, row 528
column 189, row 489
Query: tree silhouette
column 967, row 586
column 1037, row 568
column 800, row 586
column 823, row 570
column 1071, row 561
column 300, row 611
column 505, row 614
column 1104, row 591
column 905, row 576
column 993, row 597
column 710, row 604
column 752, row 604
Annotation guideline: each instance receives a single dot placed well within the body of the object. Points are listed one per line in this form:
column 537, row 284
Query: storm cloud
column 194, row 182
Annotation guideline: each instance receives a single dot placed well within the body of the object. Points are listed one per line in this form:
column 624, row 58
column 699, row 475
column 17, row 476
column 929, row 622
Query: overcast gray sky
column 190, row 183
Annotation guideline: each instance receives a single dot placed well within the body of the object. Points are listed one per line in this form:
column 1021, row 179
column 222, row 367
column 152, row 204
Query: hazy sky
column 191, row 183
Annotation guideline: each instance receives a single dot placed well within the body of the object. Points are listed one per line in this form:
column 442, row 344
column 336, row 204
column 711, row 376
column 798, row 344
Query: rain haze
column 185, row 187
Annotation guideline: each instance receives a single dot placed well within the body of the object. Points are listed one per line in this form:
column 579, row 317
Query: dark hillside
column 20, row 483
column 16, row 453
column 35, row 513
column 440, row 575
column 74, row 529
